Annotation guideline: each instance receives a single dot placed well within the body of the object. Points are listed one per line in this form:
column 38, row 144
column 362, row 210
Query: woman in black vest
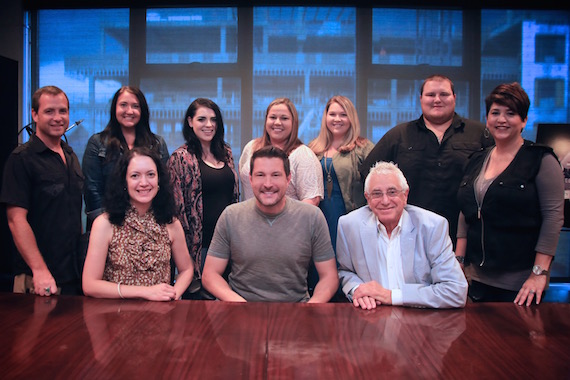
column 512, row 205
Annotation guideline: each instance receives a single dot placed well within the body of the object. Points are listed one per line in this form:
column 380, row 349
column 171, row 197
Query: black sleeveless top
column 217, row 193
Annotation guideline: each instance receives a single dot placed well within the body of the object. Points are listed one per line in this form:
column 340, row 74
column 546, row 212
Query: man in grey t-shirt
column 270, row 240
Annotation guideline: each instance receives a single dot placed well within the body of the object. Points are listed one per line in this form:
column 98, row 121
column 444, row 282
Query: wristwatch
column 461, row 259
column 537, row 269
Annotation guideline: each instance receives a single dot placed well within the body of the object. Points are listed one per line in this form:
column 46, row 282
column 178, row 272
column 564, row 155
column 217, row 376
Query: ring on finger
column 48, row 291
column 532, row 291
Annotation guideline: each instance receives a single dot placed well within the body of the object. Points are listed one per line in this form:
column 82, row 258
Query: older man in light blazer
column 392, row 253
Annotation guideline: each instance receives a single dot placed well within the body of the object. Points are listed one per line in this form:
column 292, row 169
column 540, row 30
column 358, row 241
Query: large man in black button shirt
column 432, row 150
column 42, row 189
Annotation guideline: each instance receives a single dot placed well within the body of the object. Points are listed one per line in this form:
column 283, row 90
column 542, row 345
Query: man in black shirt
column 42, row 189
column 432, row 150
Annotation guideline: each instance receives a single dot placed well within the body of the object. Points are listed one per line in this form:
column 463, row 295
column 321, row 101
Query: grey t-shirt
column 270, row 255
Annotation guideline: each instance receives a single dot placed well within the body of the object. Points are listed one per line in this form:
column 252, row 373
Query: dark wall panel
column 8, row 141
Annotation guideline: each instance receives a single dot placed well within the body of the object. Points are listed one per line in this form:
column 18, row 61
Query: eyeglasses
column 391, row 193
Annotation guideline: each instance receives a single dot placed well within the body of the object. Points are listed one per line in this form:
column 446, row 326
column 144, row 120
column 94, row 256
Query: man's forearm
column 25, row 242
column 328, row 281
column 324, row 290
column 220, row 289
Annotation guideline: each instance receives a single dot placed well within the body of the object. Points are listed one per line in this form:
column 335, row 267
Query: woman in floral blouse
column 132, row 243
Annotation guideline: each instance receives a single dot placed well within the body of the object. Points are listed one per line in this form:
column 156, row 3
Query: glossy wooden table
column 84, row 338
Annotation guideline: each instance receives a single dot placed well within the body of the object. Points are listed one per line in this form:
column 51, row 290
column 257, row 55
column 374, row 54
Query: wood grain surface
column 84, row 338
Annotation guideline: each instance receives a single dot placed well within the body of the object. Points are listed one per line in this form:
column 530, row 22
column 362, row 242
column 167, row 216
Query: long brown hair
column 293, row 141
column 113, row 134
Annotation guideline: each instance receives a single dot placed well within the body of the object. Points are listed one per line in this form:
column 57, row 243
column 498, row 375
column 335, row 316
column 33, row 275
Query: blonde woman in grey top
column 341, row 150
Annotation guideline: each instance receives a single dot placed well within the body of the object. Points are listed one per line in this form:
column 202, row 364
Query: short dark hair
column 51, row 90
column 510, row 95
column 271, row 151
column 437, row 77
column 117, row 200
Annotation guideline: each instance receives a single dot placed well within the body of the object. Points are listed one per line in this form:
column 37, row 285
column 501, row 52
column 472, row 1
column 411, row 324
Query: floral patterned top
column 139, row 252
column 186, row 182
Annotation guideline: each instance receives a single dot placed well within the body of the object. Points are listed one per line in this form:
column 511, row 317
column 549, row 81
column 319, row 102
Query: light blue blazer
column 433, row 277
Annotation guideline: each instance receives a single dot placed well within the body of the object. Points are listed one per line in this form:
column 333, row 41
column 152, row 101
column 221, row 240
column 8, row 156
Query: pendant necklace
column 329, row 177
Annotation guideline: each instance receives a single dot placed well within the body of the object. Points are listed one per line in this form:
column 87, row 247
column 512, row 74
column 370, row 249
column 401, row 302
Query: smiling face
column 142, row 182
column 438, row 101
column 388, row 209
column 279, row 124
column 128, row 110
column 52, row 117
column 505, row 124
column 338, row 122
column 269, row 184
column 204, row 125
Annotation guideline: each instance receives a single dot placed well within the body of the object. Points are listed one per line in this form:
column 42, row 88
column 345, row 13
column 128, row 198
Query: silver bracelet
column 119, row 289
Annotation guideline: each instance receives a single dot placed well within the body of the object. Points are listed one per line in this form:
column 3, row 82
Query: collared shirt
column 36, row 179
column 433, row 169
column 390, row 260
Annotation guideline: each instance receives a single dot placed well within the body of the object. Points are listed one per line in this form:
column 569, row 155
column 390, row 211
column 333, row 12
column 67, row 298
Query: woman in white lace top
column 281, row 129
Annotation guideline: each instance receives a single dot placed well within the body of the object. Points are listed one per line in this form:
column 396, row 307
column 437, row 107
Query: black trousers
column 479, row 292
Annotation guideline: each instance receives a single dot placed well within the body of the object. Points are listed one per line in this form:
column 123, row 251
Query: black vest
column 504, row 235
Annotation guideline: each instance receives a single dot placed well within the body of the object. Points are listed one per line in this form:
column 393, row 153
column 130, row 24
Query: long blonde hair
column 293, row 141
column 352, row 138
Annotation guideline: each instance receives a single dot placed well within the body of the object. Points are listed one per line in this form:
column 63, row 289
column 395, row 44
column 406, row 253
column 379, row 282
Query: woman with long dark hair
column 128, row 127
column 133, row 242
column 204, row 181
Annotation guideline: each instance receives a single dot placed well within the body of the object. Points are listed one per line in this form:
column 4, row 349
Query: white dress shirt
column 390, row 261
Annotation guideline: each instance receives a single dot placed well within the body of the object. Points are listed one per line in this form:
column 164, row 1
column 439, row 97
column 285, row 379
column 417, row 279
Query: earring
column 124, row 189
column 486, row 133
column 158, row 187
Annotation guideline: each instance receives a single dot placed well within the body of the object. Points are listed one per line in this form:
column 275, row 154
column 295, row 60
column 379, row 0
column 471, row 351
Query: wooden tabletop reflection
column 85, row 338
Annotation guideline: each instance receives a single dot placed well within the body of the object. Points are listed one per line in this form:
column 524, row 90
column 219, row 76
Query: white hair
column 383, row 167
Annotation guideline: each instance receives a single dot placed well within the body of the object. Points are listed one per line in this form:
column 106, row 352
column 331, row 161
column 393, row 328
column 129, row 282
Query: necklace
column 328, row 171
